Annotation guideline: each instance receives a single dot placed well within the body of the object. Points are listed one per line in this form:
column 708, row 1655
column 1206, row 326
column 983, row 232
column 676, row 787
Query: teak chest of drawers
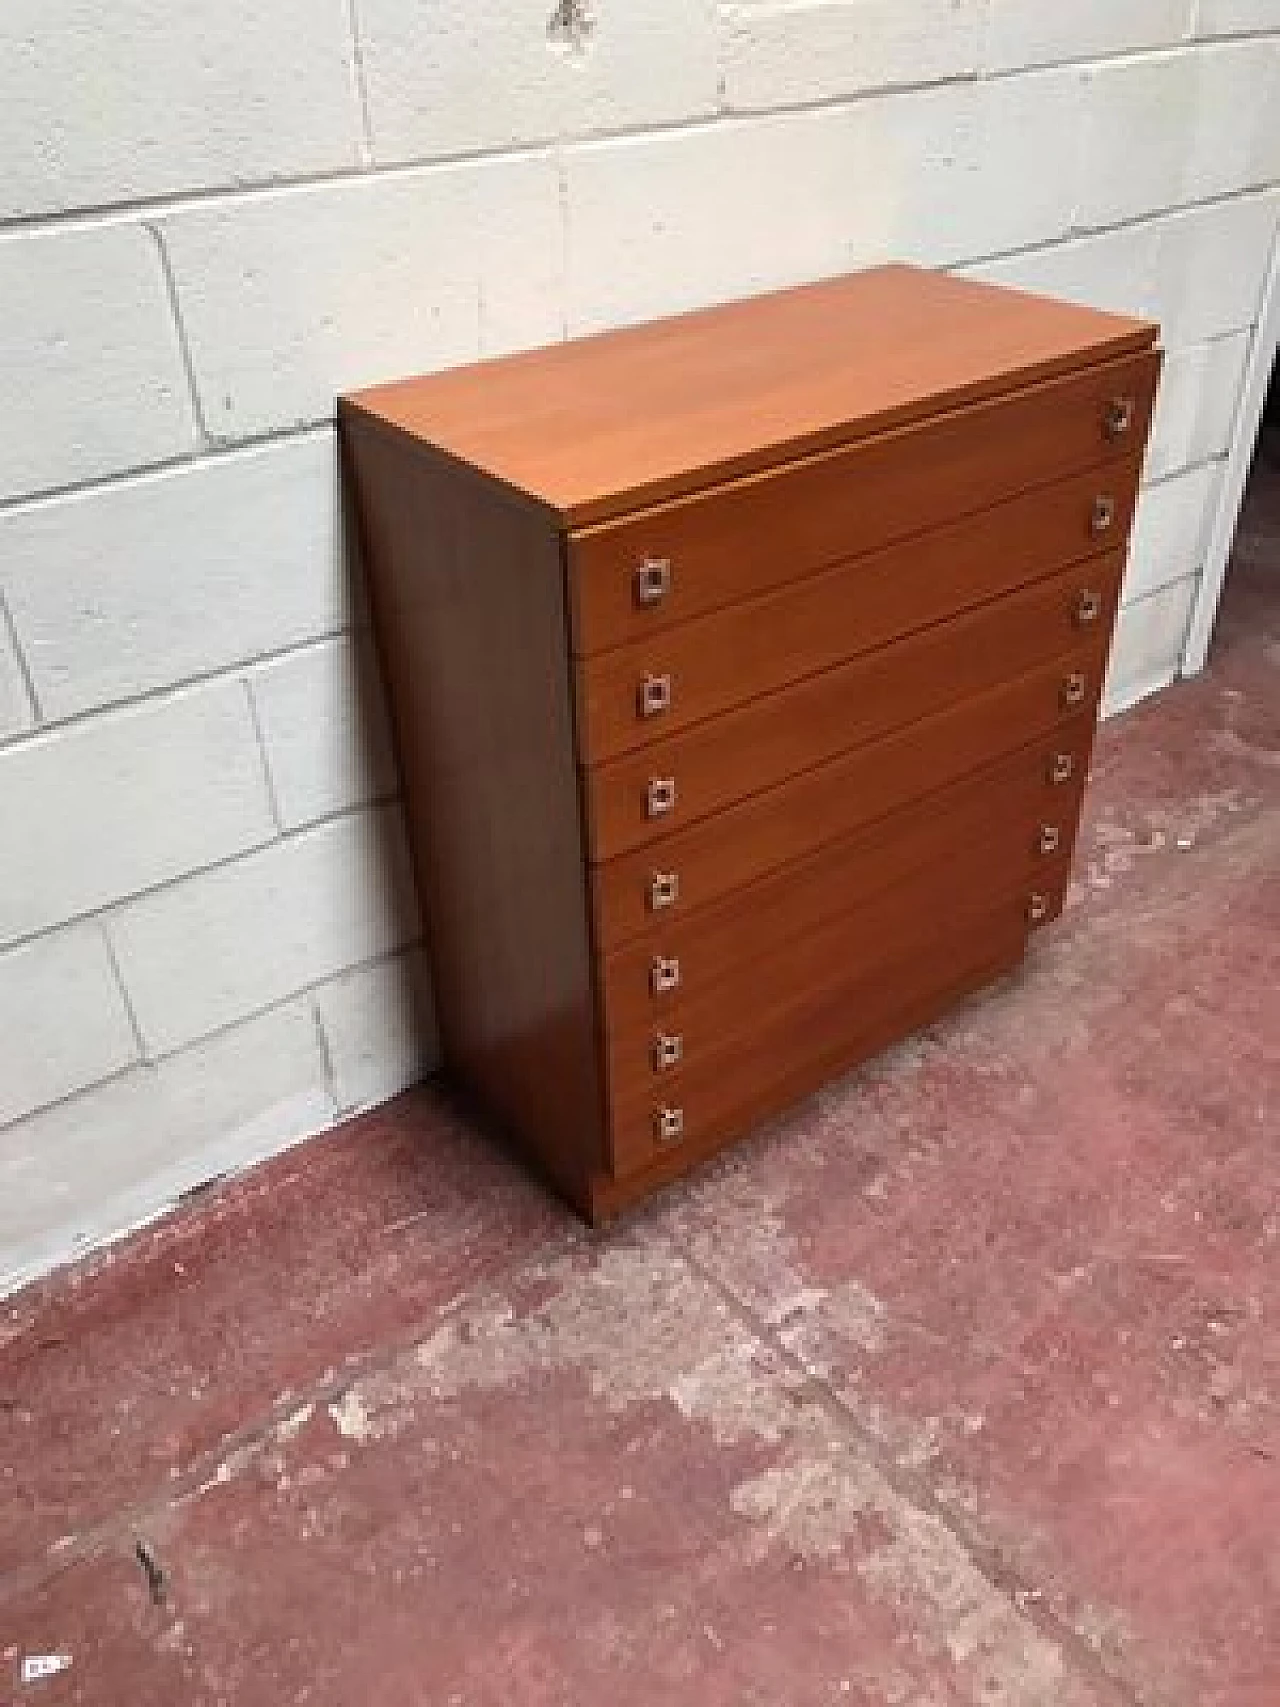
column 744, row 669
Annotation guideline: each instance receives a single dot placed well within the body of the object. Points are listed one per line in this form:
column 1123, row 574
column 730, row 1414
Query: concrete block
column 94, row 381
column 1199, row 273
column 779, row 53
column 127, row 588
column 1171, row 531
column 1196, row 406
column 446, row 80
column 291, row 299
column 111, row 806
column 90, row 1168
column 63, row 1023
column 204, row 953
column 1113, row 270
column 379, row 1026
column 324, row 726
column 1179, row 127
column 1236, row 17
column 16, row 713
column 1029, row 32
column 1146, row 654
column 1210, row 267
column 660, row 223
column 171, row 96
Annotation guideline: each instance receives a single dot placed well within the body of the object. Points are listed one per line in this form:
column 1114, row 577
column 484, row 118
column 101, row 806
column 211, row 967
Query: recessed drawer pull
column 653, row 580
column 1062, row 769
column 1088, row 608
column 1037, row 909
column 655, row 696
column 664, row 975
column 1104, row 514
column 668, row 1125
column 1120, row 416
column 1050, row 839
column 668, row 1047
column 664, row 890
column 1073, row 689
column 660, row 797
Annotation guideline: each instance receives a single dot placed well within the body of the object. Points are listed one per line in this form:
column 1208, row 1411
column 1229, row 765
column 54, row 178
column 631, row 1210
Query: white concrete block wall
column 213, row 219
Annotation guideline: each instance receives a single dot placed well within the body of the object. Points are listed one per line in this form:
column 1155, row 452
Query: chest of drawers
column 744, row 669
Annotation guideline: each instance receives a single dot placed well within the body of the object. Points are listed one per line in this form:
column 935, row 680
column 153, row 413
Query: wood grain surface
column 747, row 840
column 825, row 1029
column 763, row 743
column 601, row 425
column 767, row 531
column 715, row 662
column 1003, row 809
column 779, row 970
column 477, row 670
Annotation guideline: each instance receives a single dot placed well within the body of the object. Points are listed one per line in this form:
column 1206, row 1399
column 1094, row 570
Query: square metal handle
column 653, row 580
column 655, row 695
column 660, row 797
column 1088, row 608
column 668, row 1048
column 1062, row 769
column 1119, row 417
column 664, row 890
column 664, row 975
column 668, row 1125
column 1104, row 513
column 1074, row 688
column 1050, row 839
column 1037, row 909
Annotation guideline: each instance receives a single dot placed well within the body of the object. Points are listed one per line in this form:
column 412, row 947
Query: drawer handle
column 653, row 580
column 1062, row 769
column 1104, row 514
column 1037, row 909
column 1088, row 608
column 660, row 797
column 668, row 1047
column 655, row 696
column 668, row 1125
column 664, row 975
column 1050, row 839
column 1119, row 418
column 664, row 890
column 1073, row 689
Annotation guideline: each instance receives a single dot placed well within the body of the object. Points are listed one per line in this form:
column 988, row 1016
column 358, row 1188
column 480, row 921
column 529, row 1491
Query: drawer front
column 644, row 691
column 740, row 845
column 642, row 797
column 1012, row 812
column 843, row 1013
column 692, row 1025
column 631, row 578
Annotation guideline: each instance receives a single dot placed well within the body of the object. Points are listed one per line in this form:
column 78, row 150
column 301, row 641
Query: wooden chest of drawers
column 744, row 670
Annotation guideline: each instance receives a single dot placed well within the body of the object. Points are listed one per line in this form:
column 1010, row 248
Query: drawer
column 643, row 796
column 630, row 578
column 689, row 1027
column 840, row 1016
column 1012, row 812
column 641, row 692
column 740, row 845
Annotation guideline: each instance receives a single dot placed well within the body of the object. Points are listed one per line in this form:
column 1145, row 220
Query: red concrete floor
column 958, row 1386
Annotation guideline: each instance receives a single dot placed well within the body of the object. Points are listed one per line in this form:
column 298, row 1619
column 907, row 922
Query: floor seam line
column 986, row 1559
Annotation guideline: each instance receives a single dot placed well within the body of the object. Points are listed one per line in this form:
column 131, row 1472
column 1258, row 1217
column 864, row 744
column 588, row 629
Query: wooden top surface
column 599, row 426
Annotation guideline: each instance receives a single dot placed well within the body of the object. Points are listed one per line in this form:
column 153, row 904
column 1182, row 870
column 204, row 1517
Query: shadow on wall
column 374, row 732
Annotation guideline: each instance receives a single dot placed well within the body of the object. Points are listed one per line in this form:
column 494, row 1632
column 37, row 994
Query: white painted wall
column 213, row 218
